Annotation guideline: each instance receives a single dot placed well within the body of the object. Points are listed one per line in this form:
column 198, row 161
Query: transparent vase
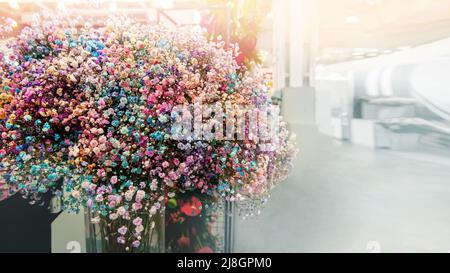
column 189, row 223
column 102, row 235
column 196, row 223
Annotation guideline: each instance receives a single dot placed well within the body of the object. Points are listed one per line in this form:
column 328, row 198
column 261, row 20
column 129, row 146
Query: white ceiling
column 377, row 26
column 383, row 23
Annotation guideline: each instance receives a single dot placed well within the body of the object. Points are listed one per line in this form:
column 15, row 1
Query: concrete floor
column 345, row 198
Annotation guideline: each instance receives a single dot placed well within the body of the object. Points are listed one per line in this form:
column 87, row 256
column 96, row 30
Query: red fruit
column 240, row 59
column 184, row 241
column 192, row 207
column 248, row 44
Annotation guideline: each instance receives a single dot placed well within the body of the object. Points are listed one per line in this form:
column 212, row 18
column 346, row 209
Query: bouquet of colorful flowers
column 122, row 118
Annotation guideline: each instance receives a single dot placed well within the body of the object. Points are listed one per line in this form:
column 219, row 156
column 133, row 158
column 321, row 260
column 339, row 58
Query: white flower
column 99, row 198
column 139, row 229
column 154, row 185
column 129, row 195
column 121, row 211
column 140, row 195
column 74, row 151
column 153, row 210
column 162, row 119
column 113, row 216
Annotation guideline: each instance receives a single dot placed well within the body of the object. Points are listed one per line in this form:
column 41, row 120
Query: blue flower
column 46, row 127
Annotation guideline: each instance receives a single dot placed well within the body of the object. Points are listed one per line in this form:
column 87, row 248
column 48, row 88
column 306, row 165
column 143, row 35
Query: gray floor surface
column 346, row 198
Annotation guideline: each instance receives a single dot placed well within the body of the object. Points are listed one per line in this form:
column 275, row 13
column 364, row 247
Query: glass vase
column 189, row 223
column 197, row 223
column 102, row 235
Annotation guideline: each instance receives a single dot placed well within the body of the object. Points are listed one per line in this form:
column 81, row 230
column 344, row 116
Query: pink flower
column 137, row 206
column 99, row 198
column 151, row 99
column 101, row 102
column 172, row 175
column 140, row 195
column 189, row 159
column 94, row 143
column 75, row 194
column 85, row 185
column 137, row 221
column 114, row 180
column 111, row 198
column 100, row 172
column 165, row 164
column 123, row 230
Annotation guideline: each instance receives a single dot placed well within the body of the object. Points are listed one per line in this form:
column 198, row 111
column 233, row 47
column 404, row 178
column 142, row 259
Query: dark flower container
column 26, row 228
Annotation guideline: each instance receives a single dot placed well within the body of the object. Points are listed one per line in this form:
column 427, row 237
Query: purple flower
column 121, row 240
column 123, row 230
column 136, row 244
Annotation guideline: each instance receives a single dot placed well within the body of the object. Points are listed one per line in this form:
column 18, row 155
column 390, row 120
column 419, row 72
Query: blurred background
column 365, row 86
